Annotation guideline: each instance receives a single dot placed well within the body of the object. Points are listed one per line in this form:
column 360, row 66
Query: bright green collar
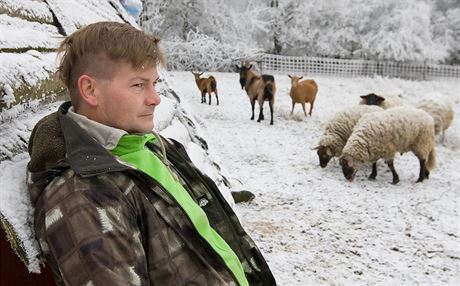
column 132, row 143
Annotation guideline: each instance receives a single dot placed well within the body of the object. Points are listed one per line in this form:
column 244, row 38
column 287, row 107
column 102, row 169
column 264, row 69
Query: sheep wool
column 441, row 111
column 399, row 129
column 340, row 126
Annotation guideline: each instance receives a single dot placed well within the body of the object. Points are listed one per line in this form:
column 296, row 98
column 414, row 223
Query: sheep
column 258, row 87
column 382, row 134
column 338, row 129
column 442, row 113
column 385, row 101
column 303, row 92
column 206, row 85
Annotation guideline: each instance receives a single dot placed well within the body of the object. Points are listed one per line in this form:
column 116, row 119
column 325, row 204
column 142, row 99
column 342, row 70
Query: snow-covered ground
column 315, row 227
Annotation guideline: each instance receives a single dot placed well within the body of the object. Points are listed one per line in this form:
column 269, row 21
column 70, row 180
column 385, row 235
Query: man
column 115, row 203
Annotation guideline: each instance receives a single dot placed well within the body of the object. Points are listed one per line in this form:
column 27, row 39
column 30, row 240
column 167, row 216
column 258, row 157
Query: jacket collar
column 85, row 155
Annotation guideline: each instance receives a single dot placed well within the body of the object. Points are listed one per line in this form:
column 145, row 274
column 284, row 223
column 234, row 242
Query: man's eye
column 138, row 85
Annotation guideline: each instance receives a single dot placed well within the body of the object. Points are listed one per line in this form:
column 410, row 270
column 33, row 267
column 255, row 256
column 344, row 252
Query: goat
column 303, row 92
column 258, row 87
column 206, row 85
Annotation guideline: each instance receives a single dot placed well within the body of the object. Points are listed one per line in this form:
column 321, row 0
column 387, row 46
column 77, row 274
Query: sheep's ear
column 343, row 161
column 380, row 98
column 328, row 151
column 364, row 96
column 316, row 148
column 346, row 161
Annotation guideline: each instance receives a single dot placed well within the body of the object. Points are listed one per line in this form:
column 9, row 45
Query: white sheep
column 338, row 129
column 441, row 111
column 382, row 134
column 385, row 101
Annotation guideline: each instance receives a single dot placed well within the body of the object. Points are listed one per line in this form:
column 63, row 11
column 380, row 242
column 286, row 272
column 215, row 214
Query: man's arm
column 89, row 232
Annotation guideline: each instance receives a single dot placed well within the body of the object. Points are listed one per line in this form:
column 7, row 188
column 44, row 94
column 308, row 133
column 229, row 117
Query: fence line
column 355, row 68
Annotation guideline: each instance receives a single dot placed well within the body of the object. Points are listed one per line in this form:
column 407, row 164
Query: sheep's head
column 243, row 74
column 324, row 154
column 372, row 99
column 349, row 167
column 295, row 79
column 197, row 74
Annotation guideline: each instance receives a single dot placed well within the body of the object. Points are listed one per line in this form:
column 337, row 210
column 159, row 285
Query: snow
column 19, row 33
column 28, row 67
column 89, row 11
column 15, row 201
column 315, row 227
column 29, row 9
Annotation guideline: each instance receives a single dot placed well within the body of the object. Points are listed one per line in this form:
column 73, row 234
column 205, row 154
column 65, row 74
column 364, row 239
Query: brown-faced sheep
column 206, row 85
column 383, row 134
column 258, row 87
column 338, row 129
column 385, row 101
column 303, row 92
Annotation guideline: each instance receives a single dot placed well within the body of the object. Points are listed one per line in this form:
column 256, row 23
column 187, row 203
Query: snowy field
column 315, row 227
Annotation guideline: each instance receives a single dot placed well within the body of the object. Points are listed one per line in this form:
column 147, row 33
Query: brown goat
column 303, row 92
column 206, row 85
column 258, row 87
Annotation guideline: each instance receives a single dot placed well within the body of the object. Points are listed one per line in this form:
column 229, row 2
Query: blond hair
column 95, row 49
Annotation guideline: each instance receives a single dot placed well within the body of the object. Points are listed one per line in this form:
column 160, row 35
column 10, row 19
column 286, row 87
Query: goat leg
column 217, row 97
column 271, row 113
column 209, row 98
column 261, row 114
column 303, row 107
column 311, row 107
column 374, row 171
column 390, row 164
column 253, row 103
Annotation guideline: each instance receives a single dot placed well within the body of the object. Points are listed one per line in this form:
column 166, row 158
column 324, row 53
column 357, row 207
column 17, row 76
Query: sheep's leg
column 261, row 114
column 374, row 171
column 424, row 173
column 271, row 112
column 311, row 107
column 393, row 171
column 303, row 107
column 253, row 103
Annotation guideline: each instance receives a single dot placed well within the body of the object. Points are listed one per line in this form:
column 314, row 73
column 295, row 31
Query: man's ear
column 87, row 88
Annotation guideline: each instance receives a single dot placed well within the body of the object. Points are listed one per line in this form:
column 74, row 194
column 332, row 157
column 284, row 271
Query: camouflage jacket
column 101, row 222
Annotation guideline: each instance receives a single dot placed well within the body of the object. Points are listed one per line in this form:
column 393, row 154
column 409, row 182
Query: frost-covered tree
column 410, row 31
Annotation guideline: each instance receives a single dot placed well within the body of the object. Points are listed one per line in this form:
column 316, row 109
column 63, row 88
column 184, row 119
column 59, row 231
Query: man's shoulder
column 105, row 187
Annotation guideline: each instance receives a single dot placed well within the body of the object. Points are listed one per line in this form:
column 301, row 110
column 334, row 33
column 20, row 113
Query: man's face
column 127, row 100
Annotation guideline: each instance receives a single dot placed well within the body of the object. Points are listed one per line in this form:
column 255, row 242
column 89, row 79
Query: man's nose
column 153, row 98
